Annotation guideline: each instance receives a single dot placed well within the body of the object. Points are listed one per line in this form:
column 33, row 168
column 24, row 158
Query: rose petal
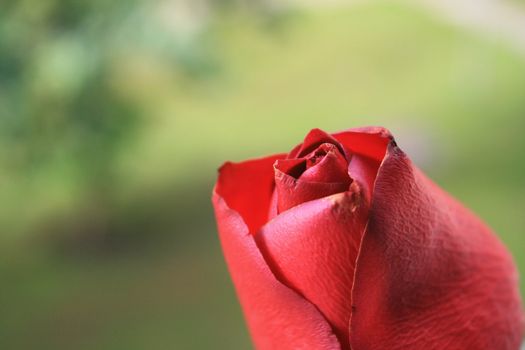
column 291, row 192
column 314, row 139
column 368, row 147
column 328, row 165
column 293, row 167
column 247, row 187
column 370, row 142
column 430, row 275
column 278, row 318
column 313, row 247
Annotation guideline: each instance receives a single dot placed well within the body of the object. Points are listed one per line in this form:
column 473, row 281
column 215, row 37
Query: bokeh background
column 115, row 115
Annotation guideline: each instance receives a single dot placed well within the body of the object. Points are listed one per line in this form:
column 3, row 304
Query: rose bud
column 344, row 244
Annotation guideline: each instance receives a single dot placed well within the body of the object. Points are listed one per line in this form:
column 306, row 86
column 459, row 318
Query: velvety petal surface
column 277, row 317
column 430, row 275
column 247, row 187
column 313, row 247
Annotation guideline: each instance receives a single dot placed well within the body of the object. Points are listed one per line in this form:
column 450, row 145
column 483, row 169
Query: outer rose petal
column 277, row 317
column 430, row 275
column 248, row 188
column 313, row 248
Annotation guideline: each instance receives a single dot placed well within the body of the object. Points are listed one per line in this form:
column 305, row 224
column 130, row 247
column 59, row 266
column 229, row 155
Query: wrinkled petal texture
column 430, row 275
column 391, row 262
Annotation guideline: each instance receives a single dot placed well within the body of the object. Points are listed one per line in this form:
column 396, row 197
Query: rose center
column 320, row 173
column 315, row 158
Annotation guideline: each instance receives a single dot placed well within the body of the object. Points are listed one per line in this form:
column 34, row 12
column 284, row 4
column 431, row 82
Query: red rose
column 344, row 244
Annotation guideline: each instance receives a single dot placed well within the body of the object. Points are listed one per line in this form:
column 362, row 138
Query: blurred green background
column 115, row 115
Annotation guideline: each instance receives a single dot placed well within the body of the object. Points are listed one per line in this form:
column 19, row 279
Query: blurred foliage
column 77, row 81
column 114, row 116
column 66, row 108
